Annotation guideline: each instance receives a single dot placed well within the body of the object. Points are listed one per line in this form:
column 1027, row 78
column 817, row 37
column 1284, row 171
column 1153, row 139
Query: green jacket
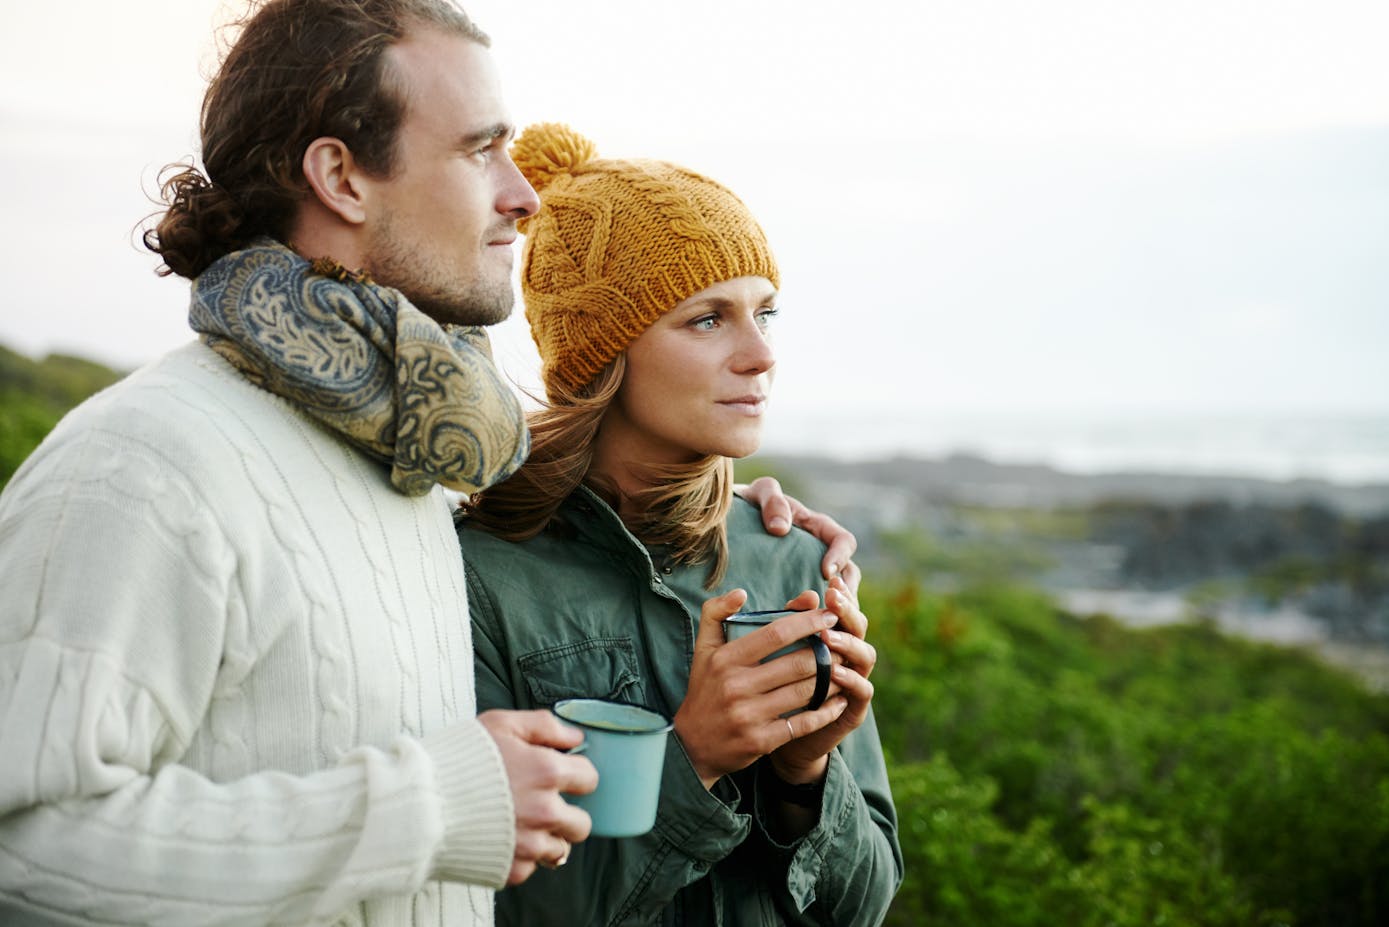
column 583, row 610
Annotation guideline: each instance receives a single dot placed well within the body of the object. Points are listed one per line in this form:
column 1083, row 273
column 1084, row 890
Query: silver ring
column 789, row 729
column 555, row 864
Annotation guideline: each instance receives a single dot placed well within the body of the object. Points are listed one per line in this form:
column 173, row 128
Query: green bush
column 35, row 394
column 966, row 867
column 1054, row 770
column 23, row 424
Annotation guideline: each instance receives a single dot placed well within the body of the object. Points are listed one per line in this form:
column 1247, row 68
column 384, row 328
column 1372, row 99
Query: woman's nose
column 755, row 354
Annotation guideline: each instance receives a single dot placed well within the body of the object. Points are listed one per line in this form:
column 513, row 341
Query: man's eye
column 486, row 149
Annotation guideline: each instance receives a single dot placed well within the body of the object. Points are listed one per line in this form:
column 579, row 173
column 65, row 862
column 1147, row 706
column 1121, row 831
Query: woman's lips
column 748, row 405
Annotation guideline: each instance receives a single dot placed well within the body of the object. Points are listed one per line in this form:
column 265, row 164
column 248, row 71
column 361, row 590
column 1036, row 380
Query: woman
column 604, row 567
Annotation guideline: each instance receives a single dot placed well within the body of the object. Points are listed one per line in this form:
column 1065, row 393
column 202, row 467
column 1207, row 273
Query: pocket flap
column 598, row 667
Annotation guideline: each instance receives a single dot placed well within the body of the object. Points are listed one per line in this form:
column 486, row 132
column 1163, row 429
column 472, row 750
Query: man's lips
column 505, row 236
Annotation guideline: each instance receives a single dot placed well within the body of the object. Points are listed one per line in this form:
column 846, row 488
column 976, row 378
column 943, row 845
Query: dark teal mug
column 744, row 623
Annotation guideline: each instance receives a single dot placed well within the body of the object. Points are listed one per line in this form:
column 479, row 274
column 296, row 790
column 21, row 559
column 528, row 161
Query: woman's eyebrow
column 711, row 302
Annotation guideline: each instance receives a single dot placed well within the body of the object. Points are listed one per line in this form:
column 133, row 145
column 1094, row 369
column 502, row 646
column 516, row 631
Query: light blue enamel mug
column 627, row 745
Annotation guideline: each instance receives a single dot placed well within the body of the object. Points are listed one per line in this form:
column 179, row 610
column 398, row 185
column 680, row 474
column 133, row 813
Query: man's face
column 440, row 228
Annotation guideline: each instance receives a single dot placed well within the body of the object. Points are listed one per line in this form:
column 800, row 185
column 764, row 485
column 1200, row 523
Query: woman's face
column 697, row 380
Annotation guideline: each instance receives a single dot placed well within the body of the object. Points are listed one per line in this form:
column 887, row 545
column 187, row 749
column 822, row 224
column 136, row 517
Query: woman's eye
column 705, row 323
column 764, row 318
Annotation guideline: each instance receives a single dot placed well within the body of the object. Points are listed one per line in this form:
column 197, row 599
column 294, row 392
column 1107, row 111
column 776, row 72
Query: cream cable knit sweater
column 236, row 678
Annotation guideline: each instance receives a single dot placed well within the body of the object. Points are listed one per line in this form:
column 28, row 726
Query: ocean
column 1348, row 449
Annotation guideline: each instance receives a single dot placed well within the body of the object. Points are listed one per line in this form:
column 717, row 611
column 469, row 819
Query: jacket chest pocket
column 597, row 667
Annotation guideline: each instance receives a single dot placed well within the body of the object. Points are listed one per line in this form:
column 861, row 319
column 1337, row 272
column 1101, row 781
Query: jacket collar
column 596, row 523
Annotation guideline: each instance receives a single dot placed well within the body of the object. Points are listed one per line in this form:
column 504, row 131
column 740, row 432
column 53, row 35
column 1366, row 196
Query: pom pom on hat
column 548, row 149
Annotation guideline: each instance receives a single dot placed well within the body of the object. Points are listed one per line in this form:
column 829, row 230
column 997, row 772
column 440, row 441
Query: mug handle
column 822, row 672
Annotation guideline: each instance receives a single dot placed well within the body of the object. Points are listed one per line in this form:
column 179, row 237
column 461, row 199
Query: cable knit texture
column 235, row 674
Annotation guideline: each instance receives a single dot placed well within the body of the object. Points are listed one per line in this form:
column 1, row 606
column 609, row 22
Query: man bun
column 203, row 222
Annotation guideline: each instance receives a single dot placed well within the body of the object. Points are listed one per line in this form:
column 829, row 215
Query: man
column 235, row 664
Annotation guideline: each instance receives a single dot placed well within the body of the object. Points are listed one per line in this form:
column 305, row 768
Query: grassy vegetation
column 1051, row 770
column 35, row 394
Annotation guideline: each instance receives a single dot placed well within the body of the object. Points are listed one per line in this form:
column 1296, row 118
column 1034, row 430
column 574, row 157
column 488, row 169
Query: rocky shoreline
column 968, row 478
column 1298, row 563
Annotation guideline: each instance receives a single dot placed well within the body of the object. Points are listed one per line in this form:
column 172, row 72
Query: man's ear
column 333, row 174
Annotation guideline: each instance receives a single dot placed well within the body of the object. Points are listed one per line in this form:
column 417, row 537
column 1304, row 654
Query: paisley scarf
column 362, row 360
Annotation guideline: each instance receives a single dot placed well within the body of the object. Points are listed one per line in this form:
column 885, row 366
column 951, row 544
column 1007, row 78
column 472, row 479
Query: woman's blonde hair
column 684, row 509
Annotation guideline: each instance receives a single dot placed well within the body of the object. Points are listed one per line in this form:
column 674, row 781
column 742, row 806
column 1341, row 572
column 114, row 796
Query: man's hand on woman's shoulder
column 780, row 512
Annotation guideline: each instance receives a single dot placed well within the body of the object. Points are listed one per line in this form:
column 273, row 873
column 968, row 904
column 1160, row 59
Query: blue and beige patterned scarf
column 362, row 360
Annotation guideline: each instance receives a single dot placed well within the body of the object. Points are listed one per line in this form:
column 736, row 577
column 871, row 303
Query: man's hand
column 530, row 743
column 780, row 511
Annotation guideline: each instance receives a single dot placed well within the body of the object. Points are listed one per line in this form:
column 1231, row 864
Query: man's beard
column 475, row 304
column 442, row 296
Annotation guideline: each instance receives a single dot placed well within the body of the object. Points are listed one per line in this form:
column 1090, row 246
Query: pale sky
column 977, row 205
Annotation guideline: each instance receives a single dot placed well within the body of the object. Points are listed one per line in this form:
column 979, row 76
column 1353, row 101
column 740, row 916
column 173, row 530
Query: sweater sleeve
column 120, row 598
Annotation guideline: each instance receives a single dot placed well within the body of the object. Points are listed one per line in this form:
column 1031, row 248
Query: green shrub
column 34, row 395
column 1054, row 770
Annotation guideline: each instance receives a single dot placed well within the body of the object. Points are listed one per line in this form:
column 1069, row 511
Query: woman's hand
column 733, row 707
column 804, row 758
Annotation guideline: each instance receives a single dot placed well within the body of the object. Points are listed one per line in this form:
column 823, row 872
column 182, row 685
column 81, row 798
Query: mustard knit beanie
column 616, row 245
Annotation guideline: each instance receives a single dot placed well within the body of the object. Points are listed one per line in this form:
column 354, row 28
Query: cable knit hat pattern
column 616, row 245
